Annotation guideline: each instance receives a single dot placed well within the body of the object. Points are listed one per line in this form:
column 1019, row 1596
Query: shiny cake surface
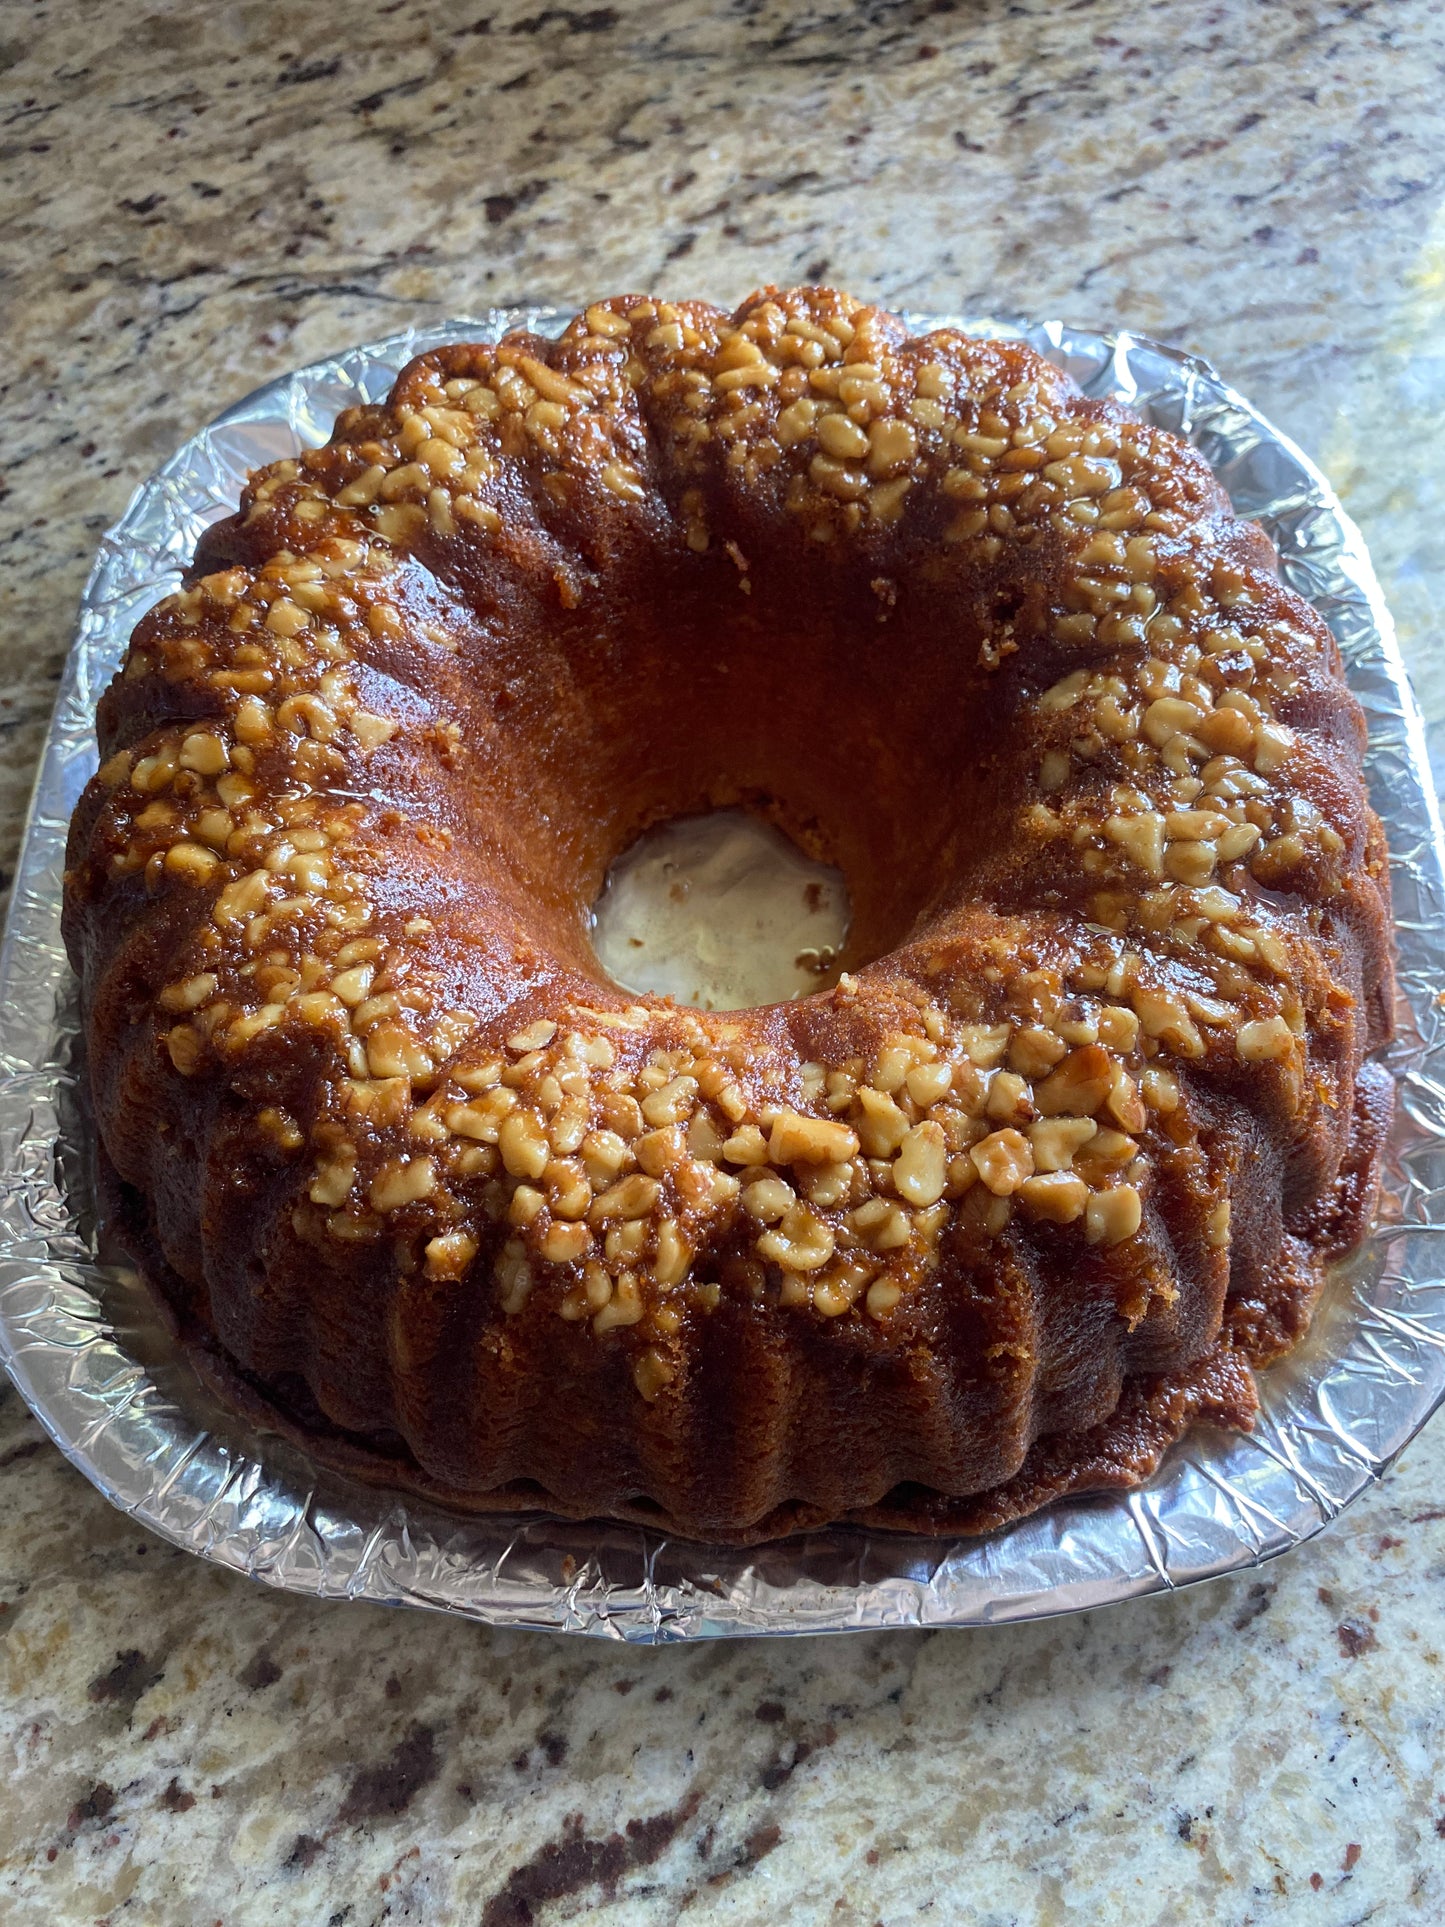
column 1060, row 1158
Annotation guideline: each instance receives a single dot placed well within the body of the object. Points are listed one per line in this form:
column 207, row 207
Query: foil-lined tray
column 89, row 1355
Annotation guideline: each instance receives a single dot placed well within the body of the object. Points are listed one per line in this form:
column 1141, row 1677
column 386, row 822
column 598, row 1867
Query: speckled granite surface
column 193, row 198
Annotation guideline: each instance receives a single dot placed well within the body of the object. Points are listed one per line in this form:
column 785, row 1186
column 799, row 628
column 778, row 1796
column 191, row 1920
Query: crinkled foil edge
column 88, row 1355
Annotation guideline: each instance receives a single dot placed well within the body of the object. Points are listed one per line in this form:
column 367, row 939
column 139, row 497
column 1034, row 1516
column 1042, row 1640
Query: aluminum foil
column 89, row 1356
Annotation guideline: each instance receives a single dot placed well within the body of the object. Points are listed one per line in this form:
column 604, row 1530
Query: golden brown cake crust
column 1062, row 1156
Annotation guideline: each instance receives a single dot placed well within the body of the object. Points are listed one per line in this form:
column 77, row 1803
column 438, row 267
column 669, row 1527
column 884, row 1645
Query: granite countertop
column 196, row 198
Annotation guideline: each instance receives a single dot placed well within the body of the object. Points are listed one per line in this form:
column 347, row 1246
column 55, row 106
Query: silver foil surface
column 90, row 1357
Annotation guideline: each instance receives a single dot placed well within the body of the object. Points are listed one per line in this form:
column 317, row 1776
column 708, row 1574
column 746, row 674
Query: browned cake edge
column 1154, row 1414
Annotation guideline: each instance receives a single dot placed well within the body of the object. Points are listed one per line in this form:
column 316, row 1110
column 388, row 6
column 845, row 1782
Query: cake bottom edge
column 1120, row 1453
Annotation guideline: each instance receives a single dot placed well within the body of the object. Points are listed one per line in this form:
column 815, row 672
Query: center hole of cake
column 720, row 912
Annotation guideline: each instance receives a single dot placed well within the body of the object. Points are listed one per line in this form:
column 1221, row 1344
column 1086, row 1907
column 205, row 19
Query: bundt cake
column 1058, row 1160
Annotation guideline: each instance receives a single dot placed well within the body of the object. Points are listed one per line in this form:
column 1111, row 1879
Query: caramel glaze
column 1060, row 1161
